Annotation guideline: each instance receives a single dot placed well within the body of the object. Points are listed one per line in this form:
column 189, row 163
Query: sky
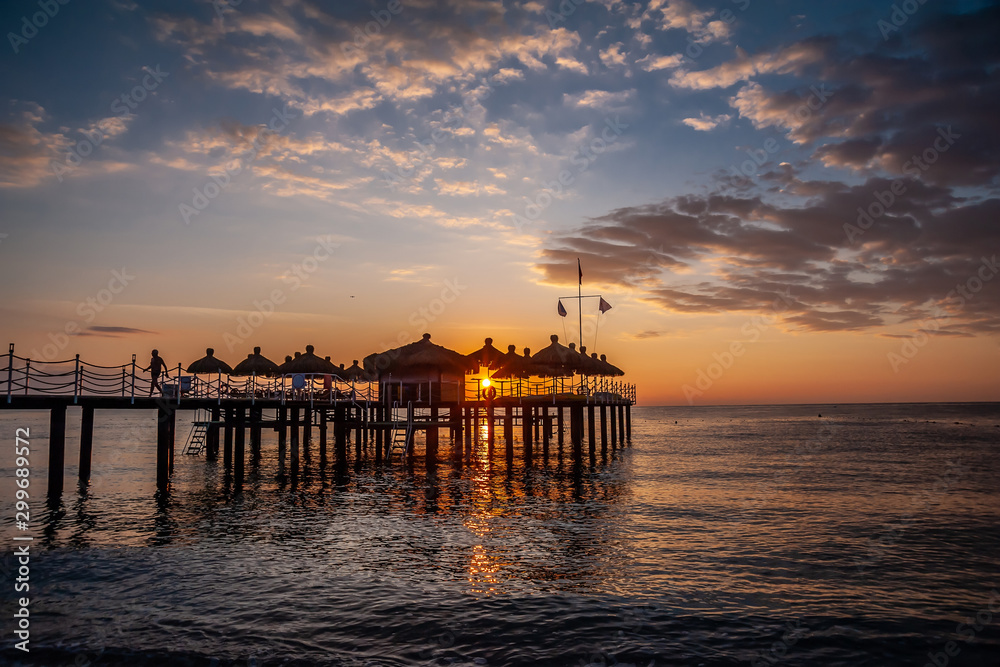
column 784, row 202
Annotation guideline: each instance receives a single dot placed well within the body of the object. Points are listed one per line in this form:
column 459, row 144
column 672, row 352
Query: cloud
column 705, row 123
column 599, row 99
column 653, row 62
column 113, row 332
column 726, row 253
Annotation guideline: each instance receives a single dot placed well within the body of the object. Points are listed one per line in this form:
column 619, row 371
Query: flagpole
column 579, row 297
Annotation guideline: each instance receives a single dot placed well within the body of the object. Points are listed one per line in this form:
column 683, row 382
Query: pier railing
column 74, row 377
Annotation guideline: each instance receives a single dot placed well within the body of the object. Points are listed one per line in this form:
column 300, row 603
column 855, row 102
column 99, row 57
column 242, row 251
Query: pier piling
column 86, row 442
column 57, row 449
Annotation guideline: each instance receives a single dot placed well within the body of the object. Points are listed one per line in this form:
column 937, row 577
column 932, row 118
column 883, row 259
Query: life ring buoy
column 490, row 393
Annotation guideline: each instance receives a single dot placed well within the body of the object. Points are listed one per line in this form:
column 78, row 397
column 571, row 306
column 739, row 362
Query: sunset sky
column 783, row 201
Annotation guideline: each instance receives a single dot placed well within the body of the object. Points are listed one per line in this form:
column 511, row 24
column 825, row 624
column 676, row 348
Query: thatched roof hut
column 555, row 360
column 421, row 355
column 256, row 364
column 311, row 363
column 209, row 364
column 485, row 357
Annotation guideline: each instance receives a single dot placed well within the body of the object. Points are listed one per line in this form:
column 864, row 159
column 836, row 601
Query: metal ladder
column 195, row 444
column 402, row 439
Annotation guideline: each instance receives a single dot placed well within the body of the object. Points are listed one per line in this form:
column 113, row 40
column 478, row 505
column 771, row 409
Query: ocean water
column 869, row 535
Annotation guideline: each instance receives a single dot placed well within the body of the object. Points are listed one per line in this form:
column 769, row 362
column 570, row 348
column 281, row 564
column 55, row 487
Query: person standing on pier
column 155, row 365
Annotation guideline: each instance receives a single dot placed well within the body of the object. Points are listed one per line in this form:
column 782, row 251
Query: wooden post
column 470, row 426
column 57, row 449
column 322, row 437
column 576, row 432
column 559, row 426
column 431, row 438
column 628, row 421
column 546, row 431
column 527, row 417
column 256, row 416
column 227, row 450
column 86, row 441
column 457, row 422
column 592, row 434
column 508, row 426
column 604, row 430
column 614, row 428
column 238, row 452
column 282, row 438
column 379, row 432
column 621, row 424
column 172, row 421
column 340, row 435
column 306, row 432
column 163, row 447
column 212, row 444
column 358, row 435
column 294, row 447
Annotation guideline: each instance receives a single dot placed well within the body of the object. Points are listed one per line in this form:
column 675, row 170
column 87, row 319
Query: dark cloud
column 112, row 332
column 910, row 239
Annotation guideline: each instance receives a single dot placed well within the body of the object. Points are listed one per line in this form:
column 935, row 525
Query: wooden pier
column 230, row 414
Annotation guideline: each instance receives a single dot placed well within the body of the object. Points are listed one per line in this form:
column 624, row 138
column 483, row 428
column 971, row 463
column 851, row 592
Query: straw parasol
column 591, row 364
column 256, row 364
column 513, row 365
column 422, row 354
column 486, row 356
column 310, row 363
column 555, row 360
column 209, row 364
column 612, row 369
column 355, row 373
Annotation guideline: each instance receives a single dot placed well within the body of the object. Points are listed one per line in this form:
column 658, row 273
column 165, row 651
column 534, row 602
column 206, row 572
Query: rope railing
column 22, row 376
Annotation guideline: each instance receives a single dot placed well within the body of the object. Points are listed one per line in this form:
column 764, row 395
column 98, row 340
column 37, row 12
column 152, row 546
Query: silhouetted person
column 156, row 364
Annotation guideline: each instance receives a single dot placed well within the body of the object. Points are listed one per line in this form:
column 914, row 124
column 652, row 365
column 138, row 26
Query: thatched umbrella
column 286, row 367
column 555, row 360
column 486, row 356
column 256, row 364
column 612, row 369
column 209, row 364
column 310, row 363
column 591, row 364
column 421, row 354
column 513, row 365
column 354, row 373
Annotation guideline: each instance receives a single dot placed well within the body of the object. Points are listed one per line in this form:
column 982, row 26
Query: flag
column 562, row 310
column 580, row 269
column 604, row 306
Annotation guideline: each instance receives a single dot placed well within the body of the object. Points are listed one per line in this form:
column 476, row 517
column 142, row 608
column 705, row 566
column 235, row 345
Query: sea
column 759, row 535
